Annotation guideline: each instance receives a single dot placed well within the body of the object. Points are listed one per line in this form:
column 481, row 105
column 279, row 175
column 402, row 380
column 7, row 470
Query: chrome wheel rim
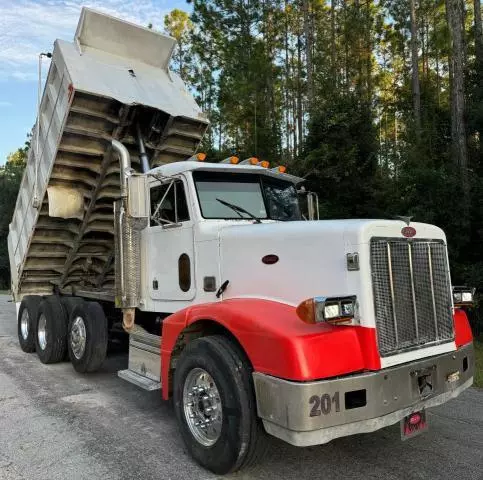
column 78, row 337
column 24, row 324
column 202, row 407
column 42, row 332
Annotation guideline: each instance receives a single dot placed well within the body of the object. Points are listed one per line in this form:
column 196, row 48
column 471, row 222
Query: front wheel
column 215, row 405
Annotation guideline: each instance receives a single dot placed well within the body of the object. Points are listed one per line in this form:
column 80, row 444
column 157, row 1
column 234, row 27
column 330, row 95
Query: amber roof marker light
column 279, row 169
column 233, row 160
column 197, row 157
column 250, row 161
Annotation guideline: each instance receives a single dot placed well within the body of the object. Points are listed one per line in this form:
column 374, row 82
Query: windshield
column 261, row 196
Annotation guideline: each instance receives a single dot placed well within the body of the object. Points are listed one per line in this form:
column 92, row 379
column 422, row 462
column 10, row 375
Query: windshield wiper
column 238, row 209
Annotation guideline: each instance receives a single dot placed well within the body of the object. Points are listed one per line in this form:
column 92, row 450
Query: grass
column 479, row 363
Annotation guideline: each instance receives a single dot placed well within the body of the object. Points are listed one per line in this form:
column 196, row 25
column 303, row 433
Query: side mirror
column 138, row 199
column 313, row 205
column 310, row 204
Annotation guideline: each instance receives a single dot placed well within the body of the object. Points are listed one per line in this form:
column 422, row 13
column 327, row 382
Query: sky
column 28, row 27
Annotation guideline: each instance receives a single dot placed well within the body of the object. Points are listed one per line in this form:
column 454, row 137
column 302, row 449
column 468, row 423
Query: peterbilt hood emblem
column 408, row 232
column 406, row 220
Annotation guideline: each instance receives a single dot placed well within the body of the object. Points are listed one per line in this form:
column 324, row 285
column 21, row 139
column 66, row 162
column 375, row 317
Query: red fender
column 277, row 342
column 462, row 328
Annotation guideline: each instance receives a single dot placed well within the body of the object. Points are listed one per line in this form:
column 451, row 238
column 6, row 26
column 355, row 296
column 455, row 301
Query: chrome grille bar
column 415, row 309
column 435, row 316
column 391, row 283
column 412, row 293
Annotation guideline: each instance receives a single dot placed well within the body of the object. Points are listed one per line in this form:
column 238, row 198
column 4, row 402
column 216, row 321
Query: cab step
column 144, row 367
column 139, row 380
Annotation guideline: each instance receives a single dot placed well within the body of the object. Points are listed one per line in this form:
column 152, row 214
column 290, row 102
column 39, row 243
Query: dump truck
column 254, row 318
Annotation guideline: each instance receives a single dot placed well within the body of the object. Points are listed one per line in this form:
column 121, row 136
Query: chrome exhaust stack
column 127, row 240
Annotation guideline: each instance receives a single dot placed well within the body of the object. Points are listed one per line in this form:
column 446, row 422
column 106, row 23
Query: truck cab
column 191, row 205
column 347, row 325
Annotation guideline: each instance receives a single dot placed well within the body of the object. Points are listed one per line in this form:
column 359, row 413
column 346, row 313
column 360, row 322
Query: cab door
column 170, row 243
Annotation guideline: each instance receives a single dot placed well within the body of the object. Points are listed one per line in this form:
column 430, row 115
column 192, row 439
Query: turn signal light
column 306, row 311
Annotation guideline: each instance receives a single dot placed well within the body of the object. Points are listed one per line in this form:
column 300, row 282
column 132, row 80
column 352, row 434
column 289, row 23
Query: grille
column 412, row 294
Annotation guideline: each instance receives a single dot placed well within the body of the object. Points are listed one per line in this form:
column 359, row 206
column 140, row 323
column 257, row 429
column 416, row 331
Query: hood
column 311, row 259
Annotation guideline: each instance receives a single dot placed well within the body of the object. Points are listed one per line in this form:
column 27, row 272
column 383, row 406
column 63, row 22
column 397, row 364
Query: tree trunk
column 415, row 71
column 369, row 49
column 180, row 59
column 308, row 51
column 332, row 43
column 287, row 82
column 478, row 31
column 456, row 17
column 438, row 80
column 299, row 95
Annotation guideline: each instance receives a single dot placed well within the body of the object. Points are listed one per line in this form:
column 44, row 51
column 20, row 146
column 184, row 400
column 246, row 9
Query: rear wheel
column 215, row 405
column 27, row 316
column 69, row 303
column 51, row 329
column 87, row 337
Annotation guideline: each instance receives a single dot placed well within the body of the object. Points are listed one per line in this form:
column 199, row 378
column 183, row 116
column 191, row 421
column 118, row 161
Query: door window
column 168, row 204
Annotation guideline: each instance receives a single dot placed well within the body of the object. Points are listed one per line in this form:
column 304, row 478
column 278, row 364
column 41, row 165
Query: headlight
column 467, row 297
column 334, row 310
column 463, row 296
column 331, row 311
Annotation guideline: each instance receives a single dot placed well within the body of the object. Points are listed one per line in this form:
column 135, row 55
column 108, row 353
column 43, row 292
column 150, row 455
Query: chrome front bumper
column 313, row 413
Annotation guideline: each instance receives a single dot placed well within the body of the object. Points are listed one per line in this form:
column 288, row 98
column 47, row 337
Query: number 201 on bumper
column 323, row 404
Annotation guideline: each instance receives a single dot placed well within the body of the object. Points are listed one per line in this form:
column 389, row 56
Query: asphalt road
column 58, row 425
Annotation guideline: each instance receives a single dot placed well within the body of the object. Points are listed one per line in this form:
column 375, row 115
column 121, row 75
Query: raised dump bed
column 112, row 82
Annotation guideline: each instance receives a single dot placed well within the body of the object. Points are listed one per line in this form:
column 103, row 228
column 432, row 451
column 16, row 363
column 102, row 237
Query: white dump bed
column 113, row 77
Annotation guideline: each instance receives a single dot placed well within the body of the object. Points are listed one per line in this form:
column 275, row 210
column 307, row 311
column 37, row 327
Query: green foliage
column 178, row 24
column 10, row 178
column 344, row 130
column 356, row 142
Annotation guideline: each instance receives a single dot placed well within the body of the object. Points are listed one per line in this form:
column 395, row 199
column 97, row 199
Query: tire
column 87, row 322
column 51, row 330
column 241, row 441
column 69, row 303
column 26, row 322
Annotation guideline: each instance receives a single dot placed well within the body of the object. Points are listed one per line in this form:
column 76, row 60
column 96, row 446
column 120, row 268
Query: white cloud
column 28, row 27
